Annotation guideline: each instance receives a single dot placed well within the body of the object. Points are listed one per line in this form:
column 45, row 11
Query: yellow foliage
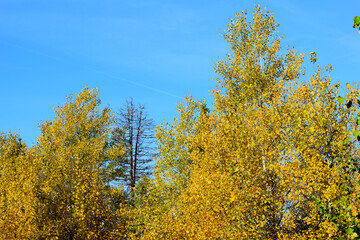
column 252, row 168
column 58, row 188
column 74, row 201
column 267, row 161
column 17, row 184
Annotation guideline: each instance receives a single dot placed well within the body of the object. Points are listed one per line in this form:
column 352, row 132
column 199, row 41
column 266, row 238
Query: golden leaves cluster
column 255, row 166
column 58, row 188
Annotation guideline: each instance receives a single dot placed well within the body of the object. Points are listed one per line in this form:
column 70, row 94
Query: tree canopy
column 274, row 156
column 266, row 161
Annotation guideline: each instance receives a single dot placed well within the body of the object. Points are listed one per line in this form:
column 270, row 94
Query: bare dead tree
column 138, row 134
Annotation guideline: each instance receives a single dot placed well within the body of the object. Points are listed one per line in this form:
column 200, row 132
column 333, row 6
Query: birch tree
column 266, row 150
column 18, row 178
column 74, row 199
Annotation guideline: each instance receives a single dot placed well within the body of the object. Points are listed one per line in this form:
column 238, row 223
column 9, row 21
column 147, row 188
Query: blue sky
column 154, row 51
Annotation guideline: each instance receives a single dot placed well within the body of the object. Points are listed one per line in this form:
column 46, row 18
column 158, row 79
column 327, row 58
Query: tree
column 172, row 173
column 267, row 149
column 18, row 177
column 136, row 130
column 75, row 201
column 343, row 210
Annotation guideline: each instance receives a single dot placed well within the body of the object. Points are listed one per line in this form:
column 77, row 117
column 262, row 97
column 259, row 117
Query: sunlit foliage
column 18, row 175
column 74, row 200
column 259, row 164
column 276, row 156
column 59, row 188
